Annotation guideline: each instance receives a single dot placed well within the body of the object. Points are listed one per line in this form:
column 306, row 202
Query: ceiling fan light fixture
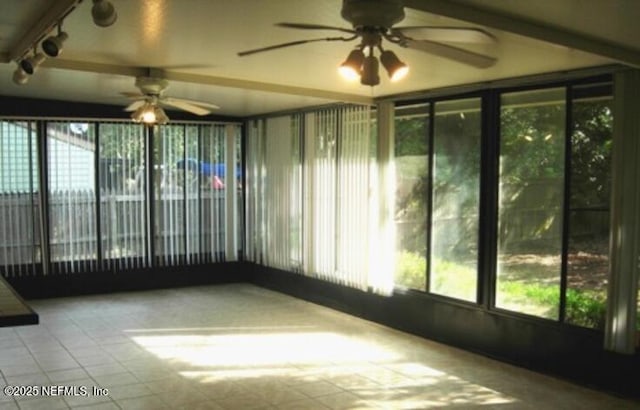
column 144, row 113
column 351, row 68
column 150, row 114
column 370, row 74
column 52, row 46
column 395, row 68
column 160, row 115
column 103, row 13
column 19, row 76
column 30, row 65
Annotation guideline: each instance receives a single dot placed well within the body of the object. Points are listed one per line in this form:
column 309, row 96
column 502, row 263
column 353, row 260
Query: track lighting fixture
column 19, row 76
column 52, row 46
column 103, row 13
column 30, row 64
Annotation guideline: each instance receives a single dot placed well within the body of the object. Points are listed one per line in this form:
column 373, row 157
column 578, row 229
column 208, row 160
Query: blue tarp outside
column 206, row 168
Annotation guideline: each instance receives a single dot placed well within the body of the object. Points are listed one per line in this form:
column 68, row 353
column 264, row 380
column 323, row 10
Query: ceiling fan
column 147, row 104
column 372, row 22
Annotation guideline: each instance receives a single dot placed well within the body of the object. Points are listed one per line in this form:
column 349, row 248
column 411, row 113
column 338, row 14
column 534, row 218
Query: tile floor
column 243, row 347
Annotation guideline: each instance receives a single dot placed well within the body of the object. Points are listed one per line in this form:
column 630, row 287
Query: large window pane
column 72, row 198
column 532, row 141
column 123, row 213
column 588, row 256
column 19, row 192
column 169, row 193
column 456, row 182
column 411, row 150
column 203, row 176
column 190, row 187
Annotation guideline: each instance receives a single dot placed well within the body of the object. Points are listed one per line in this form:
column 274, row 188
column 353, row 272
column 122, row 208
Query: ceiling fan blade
column 135, row 105
column 294, row 43
column 185, row 106
column 452, row 53
column 304, row 26
column 193, row 102
column 132, row 95
column 468, row 35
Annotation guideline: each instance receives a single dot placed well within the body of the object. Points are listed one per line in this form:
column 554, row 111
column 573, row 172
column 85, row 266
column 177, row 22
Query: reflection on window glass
column 532, row 140
column 456, row 182
column 412, row 174
column 588, row 256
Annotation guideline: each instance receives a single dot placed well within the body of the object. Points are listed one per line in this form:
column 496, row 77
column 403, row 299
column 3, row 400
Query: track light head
column 395, row 68
column 30, row 65
column 370, row 74
column 103, row 13
column 352, row 66
column 52, row 46
column 19, row 76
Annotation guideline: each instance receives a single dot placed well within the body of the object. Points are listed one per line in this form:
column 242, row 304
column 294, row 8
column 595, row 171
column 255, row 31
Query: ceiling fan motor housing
column 372, row 13
column 151, row 85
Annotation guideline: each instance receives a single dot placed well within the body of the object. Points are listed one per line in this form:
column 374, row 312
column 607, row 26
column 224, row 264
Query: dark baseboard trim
column 49, row 286
column 567, row 352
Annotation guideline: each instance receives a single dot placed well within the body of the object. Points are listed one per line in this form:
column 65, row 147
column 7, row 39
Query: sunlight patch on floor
column 263, row 349
column 376, row 373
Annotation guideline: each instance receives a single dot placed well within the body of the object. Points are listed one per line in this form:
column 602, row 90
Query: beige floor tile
column 43, row 403
column 59, row 376
column 317, row 388
column 142, row 403
column 99, row 406
column 11, row 405
column 129, row 391
column 243, row 347
column 339, row 401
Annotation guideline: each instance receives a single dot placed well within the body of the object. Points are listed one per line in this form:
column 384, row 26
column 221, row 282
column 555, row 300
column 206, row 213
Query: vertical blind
column 73, row 242
column 104, row 208
column 19, row 207
column 192, row 182
column 308, row 196
column 273, row 176
column 123, row 208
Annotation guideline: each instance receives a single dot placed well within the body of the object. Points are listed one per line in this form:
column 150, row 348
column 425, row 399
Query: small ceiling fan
column 147, row 104
column 372, row 22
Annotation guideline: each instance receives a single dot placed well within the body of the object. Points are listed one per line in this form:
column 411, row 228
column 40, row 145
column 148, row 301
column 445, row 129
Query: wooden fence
column 191, row 229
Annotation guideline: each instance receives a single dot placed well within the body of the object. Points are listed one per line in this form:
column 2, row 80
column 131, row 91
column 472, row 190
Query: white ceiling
column 196, row 41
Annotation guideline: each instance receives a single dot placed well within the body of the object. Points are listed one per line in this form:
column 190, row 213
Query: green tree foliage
column 534, row 138
column 591, row 153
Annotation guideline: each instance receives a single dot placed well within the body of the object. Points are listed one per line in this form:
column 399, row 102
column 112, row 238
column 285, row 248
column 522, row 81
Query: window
column 308, row 193
column 73, row 239
column 590, row 196
column 456, row 198
column 123, row 205
column 19, row 193
column 191, row 185
column 100, row 214
column 531, row 192
column 411, row 152
column 437, row 169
